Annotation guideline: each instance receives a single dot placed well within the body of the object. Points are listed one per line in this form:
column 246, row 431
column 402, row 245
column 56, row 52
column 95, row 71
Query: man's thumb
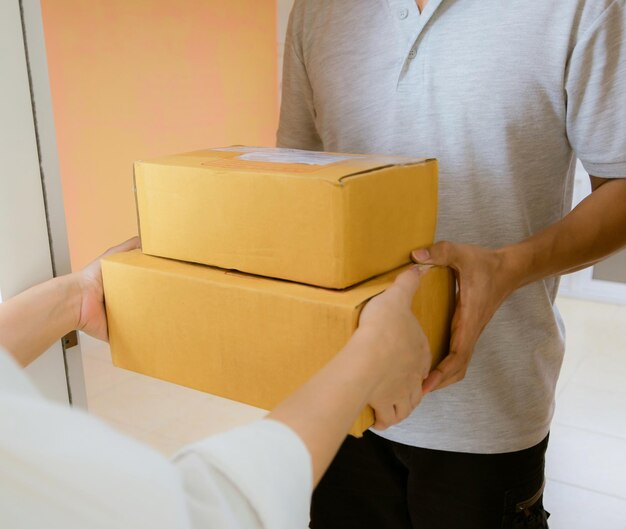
column 421, row 256
column 440, row 254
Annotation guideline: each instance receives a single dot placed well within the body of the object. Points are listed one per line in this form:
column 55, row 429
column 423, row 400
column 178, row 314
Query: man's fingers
column 446, row 372
column 443, row 253
column 432, row 381
column 438, row 375
column 452, row 368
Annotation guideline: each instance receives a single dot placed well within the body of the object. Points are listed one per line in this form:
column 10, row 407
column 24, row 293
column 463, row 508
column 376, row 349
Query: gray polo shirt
column 505, row 95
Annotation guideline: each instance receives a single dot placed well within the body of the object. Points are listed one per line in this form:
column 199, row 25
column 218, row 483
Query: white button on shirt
column 61, row 468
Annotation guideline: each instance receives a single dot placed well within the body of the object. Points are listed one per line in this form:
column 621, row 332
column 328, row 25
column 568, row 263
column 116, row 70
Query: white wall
column 24, row 247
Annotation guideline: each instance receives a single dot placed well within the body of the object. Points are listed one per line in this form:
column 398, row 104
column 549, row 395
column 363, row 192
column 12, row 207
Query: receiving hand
column 93, row 319
column 484, row 284
column 392, row 330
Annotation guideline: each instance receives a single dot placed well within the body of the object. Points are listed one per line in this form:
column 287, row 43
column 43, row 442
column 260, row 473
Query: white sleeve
column 258, row 475
column 296, row 129
column 63, row 469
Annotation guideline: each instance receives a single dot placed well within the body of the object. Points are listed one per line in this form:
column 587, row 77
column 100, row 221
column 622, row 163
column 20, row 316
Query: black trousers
column 379, row 484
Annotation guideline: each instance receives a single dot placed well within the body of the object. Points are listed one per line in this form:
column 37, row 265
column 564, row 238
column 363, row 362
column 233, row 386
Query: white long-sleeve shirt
column 62, row 468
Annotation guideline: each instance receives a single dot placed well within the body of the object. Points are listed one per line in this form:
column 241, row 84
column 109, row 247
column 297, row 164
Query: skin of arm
column 53, row 307
column 33, row 320
column 383, row 364
column 595, row 229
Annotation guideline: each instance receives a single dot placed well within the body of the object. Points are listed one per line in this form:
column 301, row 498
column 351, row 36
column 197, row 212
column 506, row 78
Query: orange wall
column 133, row 79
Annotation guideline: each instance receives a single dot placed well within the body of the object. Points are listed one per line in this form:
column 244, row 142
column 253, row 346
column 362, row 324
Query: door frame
column 33, row 236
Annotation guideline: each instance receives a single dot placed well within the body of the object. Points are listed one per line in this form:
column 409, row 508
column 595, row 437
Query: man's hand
column 484, row 283
column 92, row 318
column 394, row 335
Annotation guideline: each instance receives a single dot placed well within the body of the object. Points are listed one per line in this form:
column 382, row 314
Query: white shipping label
column 275, row 155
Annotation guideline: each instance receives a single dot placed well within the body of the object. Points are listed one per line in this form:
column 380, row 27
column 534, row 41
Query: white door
column 33, row 241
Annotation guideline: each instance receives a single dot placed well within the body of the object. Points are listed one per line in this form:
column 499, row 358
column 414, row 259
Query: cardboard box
column 316, row 218
column 244, row 337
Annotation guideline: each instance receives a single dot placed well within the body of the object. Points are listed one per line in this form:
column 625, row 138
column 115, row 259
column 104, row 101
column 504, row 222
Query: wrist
column 516, row 265
column 366, row 355
column 73, row 295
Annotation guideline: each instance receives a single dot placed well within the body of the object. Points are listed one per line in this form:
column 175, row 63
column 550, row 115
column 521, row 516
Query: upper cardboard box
column 329, row 220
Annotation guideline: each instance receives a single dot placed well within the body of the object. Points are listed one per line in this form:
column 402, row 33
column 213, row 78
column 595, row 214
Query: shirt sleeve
column 596, row 94
column 61, row 468
column 258, row 475
column 296, row 129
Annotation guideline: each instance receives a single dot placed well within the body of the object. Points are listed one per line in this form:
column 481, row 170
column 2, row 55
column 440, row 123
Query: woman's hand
column 33, row 320
column 92, row 318
column 391, row 333
column 383, row 365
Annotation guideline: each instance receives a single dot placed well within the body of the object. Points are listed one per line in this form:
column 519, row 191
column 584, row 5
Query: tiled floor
column 586, row 464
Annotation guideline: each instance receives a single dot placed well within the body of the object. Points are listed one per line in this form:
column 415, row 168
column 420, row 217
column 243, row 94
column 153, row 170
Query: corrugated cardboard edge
column 384, row 164
column 136, row 202
column 374, row 289
column 418, row 161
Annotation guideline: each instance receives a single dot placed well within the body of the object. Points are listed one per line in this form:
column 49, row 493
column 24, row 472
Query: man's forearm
column 33, row 320
column 595, row 229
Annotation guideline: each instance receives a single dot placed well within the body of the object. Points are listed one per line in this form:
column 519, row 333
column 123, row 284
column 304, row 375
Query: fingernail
column 421, row 256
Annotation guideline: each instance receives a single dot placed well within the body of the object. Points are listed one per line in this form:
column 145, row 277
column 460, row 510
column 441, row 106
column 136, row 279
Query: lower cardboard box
column 247, row 338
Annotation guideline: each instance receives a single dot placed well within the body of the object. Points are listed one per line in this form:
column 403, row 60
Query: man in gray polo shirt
column 505, row 95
